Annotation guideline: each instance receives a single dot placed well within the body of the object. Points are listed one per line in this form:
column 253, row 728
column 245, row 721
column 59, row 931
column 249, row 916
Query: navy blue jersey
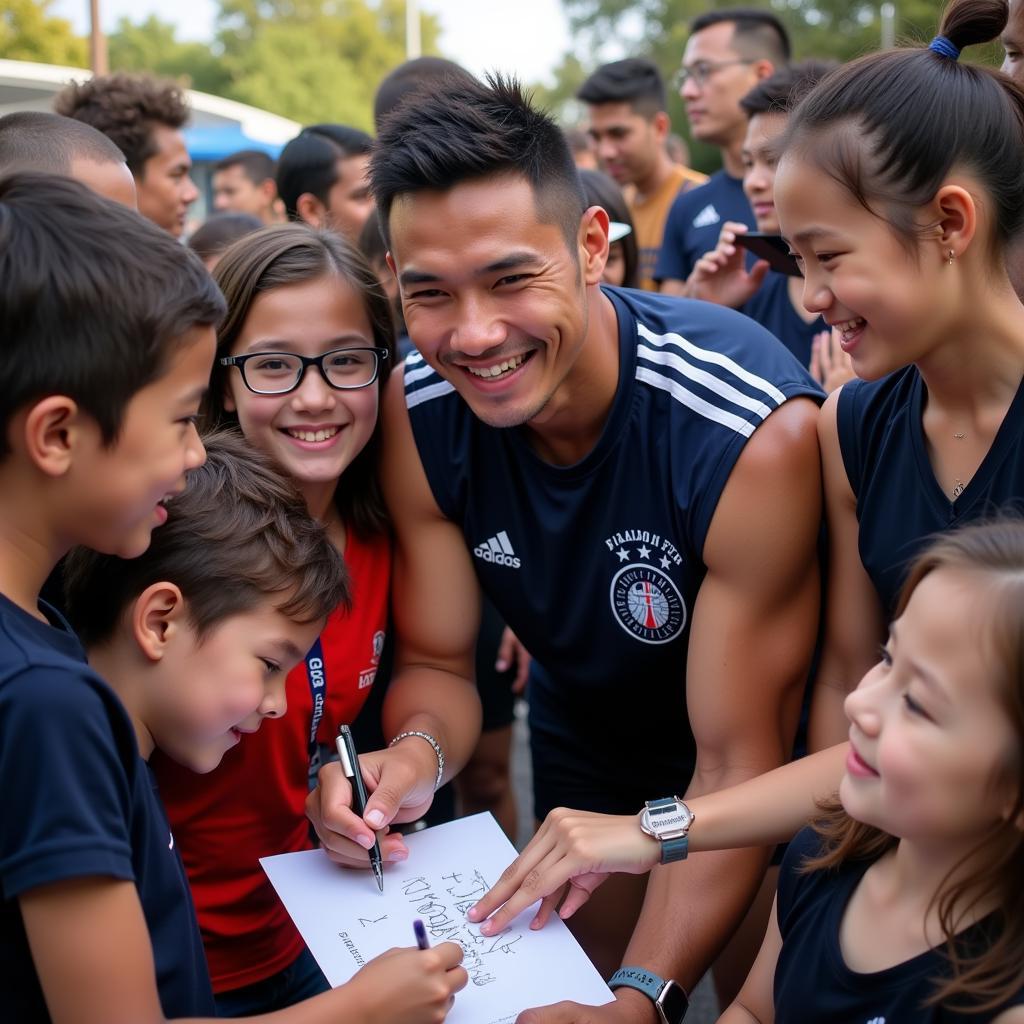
column 596, row 566
column 900, row 504
column 812, row 981
column 772, row 309
column 79, row 801
column 695, row 220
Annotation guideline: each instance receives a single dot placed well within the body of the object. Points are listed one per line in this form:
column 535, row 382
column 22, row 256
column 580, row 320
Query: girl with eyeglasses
column 301, row 358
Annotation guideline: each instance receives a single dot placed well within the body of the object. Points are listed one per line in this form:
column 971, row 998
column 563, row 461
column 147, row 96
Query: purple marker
column 421, row 934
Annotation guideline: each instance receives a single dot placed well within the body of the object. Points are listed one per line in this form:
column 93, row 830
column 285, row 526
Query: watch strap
column 671, row 1010
column 635, row 977
column 674, row 849
column 662, row 805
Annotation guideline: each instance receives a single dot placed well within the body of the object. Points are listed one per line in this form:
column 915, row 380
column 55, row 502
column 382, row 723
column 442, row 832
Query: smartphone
column 773, row 248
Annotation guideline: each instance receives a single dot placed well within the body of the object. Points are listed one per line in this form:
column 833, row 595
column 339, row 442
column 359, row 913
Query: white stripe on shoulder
column 694, row 402
column 709, row 356
column 709, row 380
column 413, row 358
column 413, row 375
column 415, row 398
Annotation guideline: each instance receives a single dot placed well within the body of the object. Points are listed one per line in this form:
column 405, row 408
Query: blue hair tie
column 944, row 48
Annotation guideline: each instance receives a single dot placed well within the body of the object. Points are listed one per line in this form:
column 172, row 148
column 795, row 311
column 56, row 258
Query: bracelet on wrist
column 433, row 742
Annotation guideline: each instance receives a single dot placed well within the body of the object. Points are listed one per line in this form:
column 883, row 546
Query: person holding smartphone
column 763, row 291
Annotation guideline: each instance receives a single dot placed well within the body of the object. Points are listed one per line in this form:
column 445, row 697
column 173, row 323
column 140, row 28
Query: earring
column 952, row 256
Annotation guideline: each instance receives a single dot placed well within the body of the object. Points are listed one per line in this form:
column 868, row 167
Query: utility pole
column 97, row 41
column 413, row 47
column 888, row 13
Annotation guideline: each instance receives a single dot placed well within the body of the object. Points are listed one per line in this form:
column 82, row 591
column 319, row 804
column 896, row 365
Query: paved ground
column 703, row 1005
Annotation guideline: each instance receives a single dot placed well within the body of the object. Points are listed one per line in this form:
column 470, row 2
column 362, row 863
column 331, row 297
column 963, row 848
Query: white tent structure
column 217, row 127
column 25, row 85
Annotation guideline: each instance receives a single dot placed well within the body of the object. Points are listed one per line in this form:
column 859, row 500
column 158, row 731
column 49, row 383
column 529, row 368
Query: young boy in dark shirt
column 107, row 329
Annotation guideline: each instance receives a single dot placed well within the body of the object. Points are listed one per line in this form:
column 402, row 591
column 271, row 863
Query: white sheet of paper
column 346, row 921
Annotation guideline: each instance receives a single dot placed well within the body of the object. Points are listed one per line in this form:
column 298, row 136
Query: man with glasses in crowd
column 728, row 53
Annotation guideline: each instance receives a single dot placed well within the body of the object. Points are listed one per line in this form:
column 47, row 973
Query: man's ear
column 593, row 244
column 661, row 125
column 52, row 428
column 763, row 69
column 311, row 211
column 158, row 617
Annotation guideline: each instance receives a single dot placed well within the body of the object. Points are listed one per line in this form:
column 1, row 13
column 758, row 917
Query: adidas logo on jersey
column 498, row 550
column 706, row 217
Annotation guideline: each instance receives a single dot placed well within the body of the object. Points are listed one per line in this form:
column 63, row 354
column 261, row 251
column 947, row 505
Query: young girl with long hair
column 301, row 357
column 903, row 901
column 899, row 189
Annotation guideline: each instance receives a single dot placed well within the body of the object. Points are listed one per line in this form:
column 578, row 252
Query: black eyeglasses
column 277, row 373
column 703, row 70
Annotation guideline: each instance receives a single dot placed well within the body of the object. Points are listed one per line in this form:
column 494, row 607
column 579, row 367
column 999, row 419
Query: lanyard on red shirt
column 316, row 674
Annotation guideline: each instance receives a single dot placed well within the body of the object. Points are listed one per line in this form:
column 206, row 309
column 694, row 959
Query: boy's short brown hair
column 94, row 300
column 239, row 533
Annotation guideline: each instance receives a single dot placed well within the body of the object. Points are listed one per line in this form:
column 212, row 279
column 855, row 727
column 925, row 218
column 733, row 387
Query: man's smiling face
column 493, row 296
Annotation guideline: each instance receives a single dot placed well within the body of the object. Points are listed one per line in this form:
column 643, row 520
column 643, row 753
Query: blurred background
column 320, row 60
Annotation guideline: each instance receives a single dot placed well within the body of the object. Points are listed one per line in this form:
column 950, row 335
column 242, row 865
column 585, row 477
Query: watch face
column 673, row 1003
column 668, row 824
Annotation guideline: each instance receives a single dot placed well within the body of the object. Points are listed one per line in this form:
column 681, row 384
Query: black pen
column 350, row 766
column 421, row 934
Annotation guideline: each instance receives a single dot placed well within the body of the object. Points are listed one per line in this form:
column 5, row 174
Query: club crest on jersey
column 647, row 604
column 645, row 600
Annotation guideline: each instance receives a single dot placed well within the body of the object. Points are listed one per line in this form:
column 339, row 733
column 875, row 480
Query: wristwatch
column 668, row 996
column 668, row 820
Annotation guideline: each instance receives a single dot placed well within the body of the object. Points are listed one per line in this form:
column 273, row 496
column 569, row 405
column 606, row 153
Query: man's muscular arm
column 750, row 647
column 751, row 641
column 436, row 607
column 435, row 600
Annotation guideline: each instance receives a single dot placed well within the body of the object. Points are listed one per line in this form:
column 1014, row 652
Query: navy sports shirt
column 812, row 981
column 80, row 802
column 772, row 309
column 596, row 566
column 694, row 223
column 900, row 504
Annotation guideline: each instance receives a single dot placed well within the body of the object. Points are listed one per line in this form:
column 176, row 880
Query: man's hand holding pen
column 400, row 786
column 349, row 758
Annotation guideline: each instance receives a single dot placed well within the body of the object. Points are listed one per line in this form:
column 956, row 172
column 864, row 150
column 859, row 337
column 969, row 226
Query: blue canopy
column 214, row 143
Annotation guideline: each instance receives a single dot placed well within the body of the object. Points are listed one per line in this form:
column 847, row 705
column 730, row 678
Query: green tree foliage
column 29, row 32
column 314, row 60
column 839, row 29
column 152, row 45
column 836, row 29
column 559, row 97
column 311, row 60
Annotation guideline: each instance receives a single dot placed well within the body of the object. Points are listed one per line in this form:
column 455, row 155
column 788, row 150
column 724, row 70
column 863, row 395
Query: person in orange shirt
column 629, row 126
